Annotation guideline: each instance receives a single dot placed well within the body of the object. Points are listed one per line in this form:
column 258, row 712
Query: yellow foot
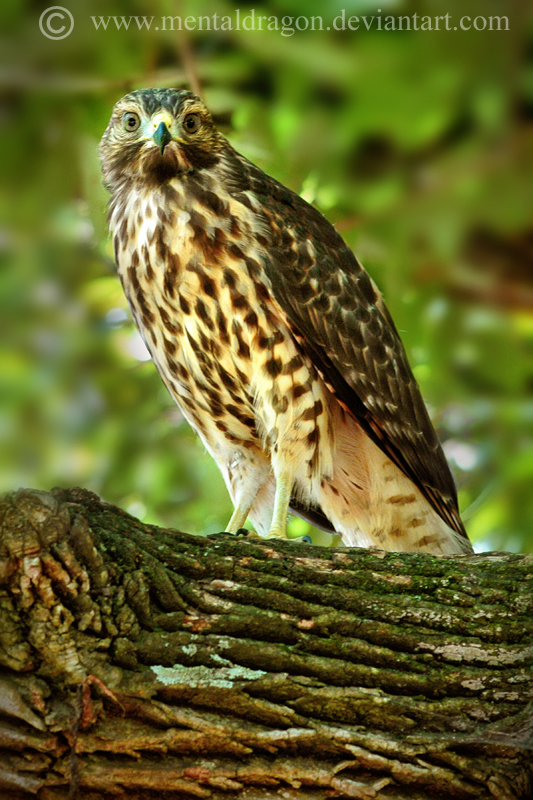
column 301, row 539
column 277, row 533
column 283, row 536
column 246, row 532
column 238, row 519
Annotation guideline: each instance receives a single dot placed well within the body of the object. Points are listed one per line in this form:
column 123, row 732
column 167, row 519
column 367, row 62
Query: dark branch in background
column 186, row 56
column 142, row 662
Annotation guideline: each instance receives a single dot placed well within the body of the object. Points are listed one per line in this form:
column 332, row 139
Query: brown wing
column 342, row 324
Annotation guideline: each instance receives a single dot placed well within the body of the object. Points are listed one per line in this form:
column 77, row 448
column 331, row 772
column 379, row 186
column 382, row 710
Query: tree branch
column 147, row 662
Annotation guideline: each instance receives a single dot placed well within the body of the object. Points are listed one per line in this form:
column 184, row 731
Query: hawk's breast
column 200, row 303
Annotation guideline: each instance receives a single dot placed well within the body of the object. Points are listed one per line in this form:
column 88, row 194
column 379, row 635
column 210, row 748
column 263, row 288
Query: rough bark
column 142, row 662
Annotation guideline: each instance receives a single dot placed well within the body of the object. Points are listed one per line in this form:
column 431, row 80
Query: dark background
column 417, row 145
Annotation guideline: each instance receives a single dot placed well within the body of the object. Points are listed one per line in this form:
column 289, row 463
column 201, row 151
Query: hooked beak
column 161, row 136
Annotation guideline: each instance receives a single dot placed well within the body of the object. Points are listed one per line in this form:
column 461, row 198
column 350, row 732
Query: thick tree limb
column 142, row 662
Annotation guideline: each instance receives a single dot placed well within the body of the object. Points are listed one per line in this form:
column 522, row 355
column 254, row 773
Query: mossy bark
column 139, row 662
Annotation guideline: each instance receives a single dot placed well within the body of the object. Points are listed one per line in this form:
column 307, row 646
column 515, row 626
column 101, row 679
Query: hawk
column 271, row 337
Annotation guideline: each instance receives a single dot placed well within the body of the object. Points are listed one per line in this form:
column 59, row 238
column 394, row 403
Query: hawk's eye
column 191, row 123
column 131, row 121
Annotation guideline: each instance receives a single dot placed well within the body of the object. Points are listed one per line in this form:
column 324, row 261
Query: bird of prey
column 271, row 337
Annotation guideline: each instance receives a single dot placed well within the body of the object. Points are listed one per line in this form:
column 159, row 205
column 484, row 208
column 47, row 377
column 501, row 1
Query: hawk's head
column 156, row 134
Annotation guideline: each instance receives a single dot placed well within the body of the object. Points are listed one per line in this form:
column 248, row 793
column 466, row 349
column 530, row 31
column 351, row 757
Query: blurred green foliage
column 417, row 144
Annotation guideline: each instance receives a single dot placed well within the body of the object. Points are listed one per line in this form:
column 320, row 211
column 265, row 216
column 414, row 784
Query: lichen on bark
column 137, row 661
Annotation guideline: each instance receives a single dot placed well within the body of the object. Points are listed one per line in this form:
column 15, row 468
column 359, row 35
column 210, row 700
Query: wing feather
column 343, row 325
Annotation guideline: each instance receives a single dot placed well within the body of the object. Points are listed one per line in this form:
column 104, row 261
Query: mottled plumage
column 271, row 337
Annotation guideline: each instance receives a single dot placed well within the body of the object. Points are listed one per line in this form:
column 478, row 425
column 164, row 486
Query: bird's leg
column 284, row 486
column 238, row 518
column 245, row 474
